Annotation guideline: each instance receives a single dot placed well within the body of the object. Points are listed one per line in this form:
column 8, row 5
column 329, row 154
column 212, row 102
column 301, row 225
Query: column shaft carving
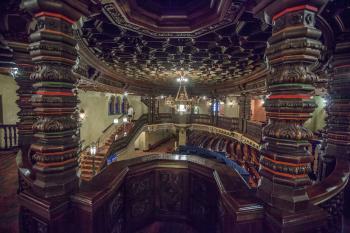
column 26, row 114
column 52, row 48
column 338, row 121
column 293, row 48
column 293, row 51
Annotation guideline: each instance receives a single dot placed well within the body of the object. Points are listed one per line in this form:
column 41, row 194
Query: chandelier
column 182, row 103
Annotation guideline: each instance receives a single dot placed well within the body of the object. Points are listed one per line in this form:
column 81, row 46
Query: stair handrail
column 106, row 132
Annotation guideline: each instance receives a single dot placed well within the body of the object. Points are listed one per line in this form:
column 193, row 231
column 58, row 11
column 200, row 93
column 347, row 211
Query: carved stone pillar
column 293, row 49
column 182, row 136
column 52, row 48
column 244, row 103
column 26, row 114
column 151, row 109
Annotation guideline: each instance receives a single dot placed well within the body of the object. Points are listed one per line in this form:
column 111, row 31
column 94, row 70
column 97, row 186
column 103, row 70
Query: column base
column 311, row 220
column 44, row 216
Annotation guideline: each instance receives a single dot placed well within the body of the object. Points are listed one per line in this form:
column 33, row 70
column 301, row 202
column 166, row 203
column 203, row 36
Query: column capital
column 59, row 8
column 270, row 10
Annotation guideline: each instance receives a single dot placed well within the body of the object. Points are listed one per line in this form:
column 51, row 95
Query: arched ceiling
column 223, row 50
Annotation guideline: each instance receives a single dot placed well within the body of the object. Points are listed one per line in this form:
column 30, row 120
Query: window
column 117, row 105
column 111, row 104
column 125, row 105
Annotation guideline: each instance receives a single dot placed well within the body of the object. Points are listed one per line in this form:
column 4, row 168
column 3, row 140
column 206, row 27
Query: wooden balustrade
column 164, row 117
column 201, row 119
column 130, row 194
column 228, row 123
column 329, row 195
column 254, row 130
column 8, row 137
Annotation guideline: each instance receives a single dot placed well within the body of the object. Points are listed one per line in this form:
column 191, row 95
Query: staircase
column 89, row 165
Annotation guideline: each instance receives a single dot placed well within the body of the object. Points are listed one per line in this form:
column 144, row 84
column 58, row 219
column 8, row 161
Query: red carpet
column 8, row 196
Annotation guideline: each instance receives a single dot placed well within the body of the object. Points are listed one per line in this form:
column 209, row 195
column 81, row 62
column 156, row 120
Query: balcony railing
column 201, row 119
column 8, row 137
column 229, row 123
column 254, row 130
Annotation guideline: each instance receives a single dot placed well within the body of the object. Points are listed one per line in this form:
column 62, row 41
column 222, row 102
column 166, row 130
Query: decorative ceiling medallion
column 189, row 19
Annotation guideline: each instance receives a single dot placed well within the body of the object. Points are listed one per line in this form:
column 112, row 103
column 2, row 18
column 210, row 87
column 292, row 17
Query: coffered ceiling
column 151, row 42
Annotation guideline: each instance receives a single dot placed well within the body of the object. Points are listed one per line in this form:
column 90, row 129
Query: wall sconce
column 115, row 120
column 82, row 114
column 14, row 72
column 125, row 119
column 125, row 93
column 231, row 101
column 93, row 150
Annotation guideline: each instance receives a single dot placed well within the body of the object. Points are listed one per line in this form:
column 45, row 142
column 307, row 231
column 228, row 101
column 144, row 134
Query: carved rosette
column 52, row 48
column 338, row 121
column 293, row 49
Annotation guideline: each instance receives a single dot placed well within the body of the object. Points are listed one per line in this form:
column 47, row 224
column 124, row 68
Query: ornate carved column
column 293, row 49
column 338, row 121
column 52, row 48
column 151, row 109
column 26, row 114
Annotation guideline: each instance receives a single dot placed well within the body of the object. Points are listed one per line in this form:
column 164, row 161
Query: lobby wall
column 317, row 121
column 231, row 107
column 8, row 89
column 95, row 106
column 258, row 112
column 139, row 107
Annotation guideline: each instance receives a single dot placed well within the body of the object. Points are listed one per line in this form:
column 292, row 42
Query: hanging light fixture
column 182, row 103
